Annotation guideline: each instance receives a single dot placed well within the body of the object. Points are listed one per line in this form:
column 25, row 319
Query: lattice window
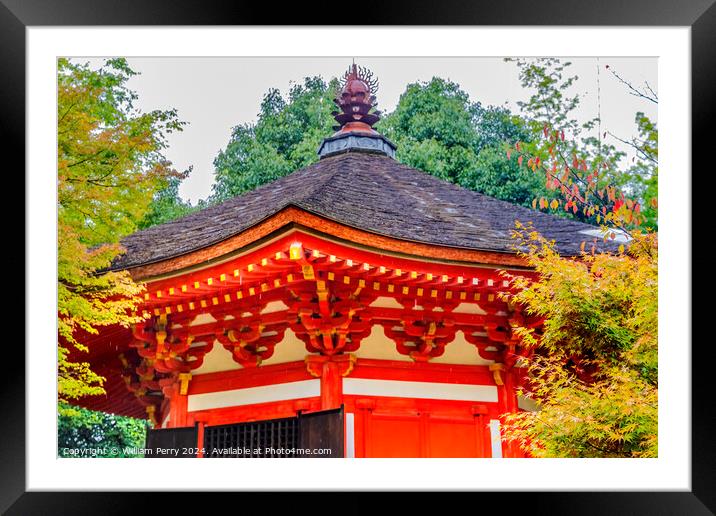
column 273, row 438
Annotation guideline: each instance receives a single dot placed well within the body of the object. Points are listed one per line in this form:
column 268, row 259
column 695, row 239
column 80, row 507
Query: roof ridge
column 331, row 160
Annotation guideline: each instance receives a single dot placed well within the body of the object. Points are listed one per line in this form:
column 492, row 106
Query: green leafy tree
column 434, row 127
column 109, row 165
column 284, row 138
column 593, row 373
column 167, row 204
column 642, row 178
column 98, row 434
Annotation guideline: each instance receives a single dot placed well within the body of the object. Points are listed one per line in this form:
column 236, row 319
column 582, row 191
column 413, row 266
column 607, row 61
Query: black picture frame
column 699, row 15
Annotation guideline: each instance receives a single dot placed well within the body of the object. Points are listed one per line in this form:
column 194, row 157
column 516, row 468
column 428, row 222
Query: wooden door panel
column 456, row 438
column 393, row 437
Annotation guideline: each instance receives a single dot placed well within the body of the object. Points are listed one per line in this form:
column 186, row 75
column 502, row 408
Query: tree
column 434, row 128
column 592, row 367
column 560, row 141
column 110, row 164
column 167, row 205
column 98, row 434
column 642, row 178
column 593, row 371
column 491, row 174
column 284, row 138
column 439, row 130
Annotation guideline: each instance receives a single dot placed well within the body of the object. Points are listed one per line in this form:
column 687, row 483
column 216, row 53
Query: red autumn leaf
column 508, row 153
column 519, row 161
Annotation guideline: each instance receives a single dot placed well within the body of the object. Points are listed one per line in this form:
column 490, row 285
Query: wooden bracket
column 497, row 370
column 184, row 379
column 314, row 363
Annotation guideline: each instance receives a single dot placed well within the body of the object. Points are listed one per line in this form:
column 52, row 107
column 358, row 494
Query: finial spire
column 357, row 115
column 356, row 99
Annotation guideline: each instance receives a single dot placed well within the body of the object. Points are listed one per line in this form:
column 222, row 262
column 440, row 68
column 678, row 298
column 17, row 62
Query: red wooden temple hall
column 356, row 287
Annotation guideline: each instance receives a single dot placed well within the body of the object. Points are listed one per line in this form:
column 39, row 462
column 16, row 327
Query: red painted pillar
column 177, row 408
column 331, row 386
column 511, row 448
column 510, row 392
column 181, row 407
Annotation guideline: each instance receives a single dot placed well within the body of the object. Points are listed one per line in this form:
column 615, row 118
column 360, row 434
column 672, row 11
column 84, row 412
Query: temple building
column 351, row 305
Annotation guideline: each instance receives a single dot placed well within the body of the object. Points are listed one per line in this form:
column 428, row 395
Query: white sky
column 213, row 94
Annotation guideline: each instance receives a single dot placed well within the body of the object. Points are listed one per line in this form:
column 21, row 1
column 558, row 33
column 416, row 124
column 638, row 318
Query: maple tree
column 109, row 166
column 592, row 366
column 586, row 172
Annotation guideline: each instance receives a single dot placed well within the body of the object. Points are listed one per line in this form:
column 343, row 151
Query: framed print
column 328, row 296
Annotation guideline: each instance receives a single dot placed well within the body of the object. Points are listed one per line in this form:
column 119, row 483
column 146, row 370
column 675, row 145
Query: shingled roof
column 368, row 191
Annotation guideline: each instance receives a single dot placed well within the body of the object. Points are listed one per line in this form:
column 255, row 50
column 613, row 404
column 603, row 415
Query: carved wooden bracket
column 315, row 363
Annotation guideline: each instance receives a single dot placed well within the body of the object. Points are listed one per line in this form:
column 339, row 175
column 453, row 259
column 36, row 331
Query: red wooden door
column 429, row 433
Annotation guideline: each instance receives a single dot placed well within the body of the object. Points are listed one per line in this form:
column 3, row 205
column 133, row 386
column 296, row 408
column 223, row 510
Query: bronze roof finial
column 356, row 99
